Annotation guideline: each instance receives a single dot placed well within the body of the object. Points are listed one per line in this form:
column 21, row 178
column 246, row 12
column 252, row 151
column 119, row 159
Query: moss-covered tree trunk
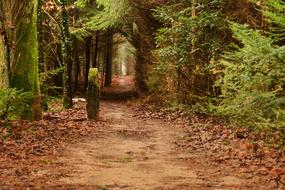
column 93, row 94
column 2, row 66
column 5, row 57
column 25, row 59
column 66, row 57
column 109, row 57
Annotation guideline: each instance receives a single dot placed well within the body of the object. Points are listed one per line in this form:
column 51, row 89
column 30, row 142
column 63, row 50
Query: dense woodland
column 218, row 58
column 220, row 61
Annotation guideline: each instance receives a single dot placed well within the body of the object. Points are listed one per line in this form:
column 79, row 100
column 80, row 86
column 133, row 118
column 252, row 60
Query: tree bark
column 3, row 82
column 109, row 57
column 25, row 73
column 66, row 57
column 94, row 64
column 40, row 37
column 194, row 30
column 76, row 67
column 88, row 44
column 6, row 53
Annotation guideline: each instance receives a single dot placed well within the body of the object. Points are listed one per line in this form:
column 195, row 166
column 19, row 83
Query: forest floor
column 132, row 148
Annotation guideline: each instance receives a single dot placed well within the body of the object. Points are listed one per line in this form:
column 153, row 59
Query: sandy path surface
column 136, row 154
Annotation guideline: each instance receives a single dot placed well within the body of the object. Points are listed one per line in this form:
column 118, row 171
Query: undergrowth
column 14, row 103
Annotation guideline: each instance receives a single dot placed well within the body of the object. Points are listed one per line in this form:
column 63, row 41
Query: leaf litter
column 220, row 154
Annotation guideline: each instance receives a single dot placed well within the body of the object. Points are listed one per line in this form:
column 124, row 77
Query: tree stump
column 93, row 94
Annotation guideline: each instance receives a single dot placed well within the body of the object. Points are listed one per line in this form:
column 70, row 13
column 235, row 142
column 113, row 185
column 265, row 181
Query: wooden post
column 93, row 94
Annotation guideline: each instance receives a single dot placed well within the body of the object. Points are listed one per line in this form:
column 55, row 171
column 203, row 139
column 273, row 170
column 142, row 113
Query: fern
column 13, row 103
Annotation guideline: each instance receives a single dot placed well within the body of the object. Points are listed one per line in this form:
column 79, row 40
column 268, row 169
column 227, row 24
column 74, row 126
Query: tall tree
column 109, row 57
column 5, row 45
column 40, row 36
column 66, row 56
column 95, row 64
column 88, row 45
column 2, row 67
column 21, row 49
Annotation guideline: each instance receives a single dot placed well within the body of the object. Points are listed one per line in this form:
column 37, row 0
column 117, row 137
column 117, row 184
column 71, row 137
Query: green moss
column 66, row 58
column 2, row 78
column 93, row 74
column 25, row 62
column 93, row 94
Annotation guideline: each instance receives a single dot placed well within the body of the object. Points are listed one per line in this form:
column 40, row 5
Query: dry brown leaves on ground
column 26, row 149
column 243, row 150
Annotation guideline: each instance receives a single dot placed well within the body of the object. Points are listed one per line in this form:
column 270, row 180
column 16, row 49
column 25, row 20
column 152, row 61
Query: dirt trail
column 134, row 154
column 127, row 149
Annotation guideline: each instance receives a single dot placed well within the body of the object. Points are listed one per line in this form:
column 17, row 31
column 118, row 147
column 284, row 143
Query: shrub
column 14, row 103
column 252, row 80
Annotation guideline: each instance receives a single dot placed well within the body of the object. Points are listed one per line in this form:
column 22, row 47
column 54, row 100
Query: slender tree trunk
column 25, row 62
column 94, row 64
column 6, row 71
column 76, row 68
column 194, row 30
column 41, row 56
column 109, row 57
column 7, row 61
column 66, row 57
column 88, row 44
column 178, row 84
column 40, row 37
column 140, row 70
column 3, row 83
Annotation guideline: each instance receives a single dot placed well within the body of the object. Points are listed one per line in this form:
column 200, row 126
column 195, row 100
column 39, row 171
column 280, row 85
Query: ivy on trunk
column 66, row 57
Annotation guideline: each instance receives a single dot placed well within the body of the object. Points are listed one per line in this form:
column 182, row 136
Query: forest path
column 130, row 150
column 137, row 154
column 132, row 154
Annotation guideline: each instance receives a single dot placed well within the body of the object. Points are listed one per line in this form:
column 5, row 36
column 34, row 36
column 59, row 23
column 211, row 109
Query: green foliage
column 46, row 87
column 252, row 80
column 192, row 36
column 249, row 77
column 105, row 14
column 274, row 12
column 79, row 33
column 81, row 3
column 13, row 103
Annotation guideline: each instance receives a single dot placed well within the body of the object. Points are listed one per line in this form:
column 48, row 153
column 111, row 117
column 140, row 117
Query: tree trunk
column 7, row 60
column 76, row 68
column 95, row 65
column 40, row 37
column 109, row 57
column 66, row 57
column 25, row 62
column 194, row 30
column 5, row 50
column 3, row 82
column 88, row 44
column 93, row 94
